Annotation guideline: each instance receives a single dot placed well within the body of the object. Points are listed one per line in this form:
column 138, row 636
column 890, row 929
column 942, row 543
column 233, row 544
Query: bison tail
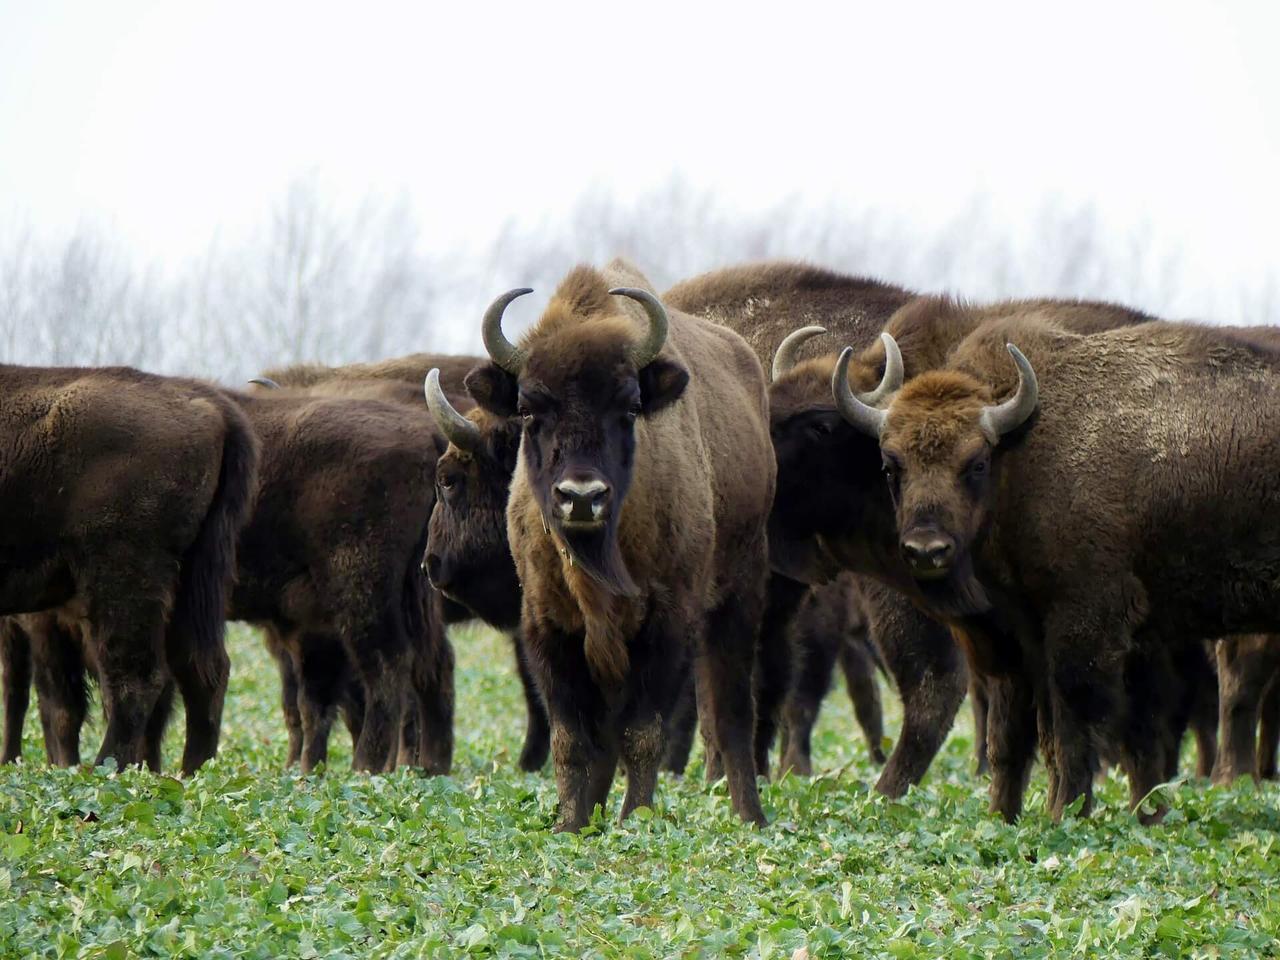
column 208, row 569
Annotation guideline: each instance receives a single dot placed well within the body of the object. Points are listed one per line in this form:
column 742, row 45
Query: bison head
column 812, row 521
column 936, row 442
column 468, row 558
column 578, row 388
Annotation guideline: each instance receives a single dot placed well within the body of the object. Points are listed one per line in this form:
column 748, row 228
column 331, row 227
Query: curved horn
column 785, row 356
column 1013, row 413
column 501, row 350
column 457, row 429
column 866, row 418
column 643, row 353
column 893, row 373
column 265, row 382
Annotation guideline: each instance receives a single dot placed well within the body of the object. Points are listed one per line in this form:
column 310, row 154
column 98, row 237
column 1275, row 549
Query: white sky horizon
column 174, row 123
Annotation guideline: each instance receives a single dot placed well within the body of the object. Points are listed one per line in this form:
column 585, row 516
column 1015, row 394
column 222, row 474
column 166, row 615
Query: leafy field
column 245, row 860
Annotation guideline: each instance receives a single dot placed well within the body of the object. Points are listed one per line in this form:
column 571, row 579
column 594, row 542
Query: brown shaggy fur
column 127, row 492
column 411, row 369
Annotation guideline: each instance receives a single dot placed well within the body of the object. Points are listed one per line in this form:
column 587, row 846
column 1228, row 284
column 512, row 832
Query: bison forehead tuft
column 936, row 411
column 595, row 345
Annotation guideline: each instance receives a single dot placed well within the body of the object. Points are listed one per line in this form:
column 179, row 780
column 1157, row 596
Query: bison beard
column 959, row 594
column 599, row 555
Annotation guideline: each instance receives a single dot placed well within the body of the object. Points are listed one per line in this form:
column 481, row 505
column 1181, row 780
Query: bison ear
column 661, row 384
column 493, row 389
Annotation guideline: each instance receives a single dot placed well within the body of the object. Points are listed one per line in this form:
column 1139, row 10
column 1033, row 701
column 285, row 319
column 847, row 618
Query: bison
column 329, row 561
column 1079, row 507
column 637, row 521
column 497, row 601
column 127, row 492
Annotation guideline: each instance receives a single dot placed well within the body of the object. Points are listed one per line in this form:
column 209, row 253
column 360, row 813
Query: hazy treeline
column 321, row 283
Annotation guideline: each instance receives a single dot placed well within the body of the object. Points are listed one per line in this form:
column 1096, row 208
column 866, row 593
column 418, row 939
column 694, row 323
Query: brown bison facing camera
column 636, row 519
column 1100, row 497
column 127, row 492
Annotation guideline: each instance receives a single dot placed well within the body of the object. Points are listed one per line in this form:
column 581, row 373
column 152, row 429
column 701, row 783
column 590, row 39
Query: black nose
column 928, row 552
column 581, row 499
column 436, row 570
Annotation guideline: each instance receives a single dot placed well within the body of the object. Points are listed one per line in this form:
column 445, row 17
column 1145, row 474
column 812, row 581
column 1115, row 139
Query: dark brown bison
column 764, row 303
column 329, row 561
column 637, row 522
column 126, row 494
column 833, row 509
column 1072, row 511
column 1249, row 706
column 495, row 597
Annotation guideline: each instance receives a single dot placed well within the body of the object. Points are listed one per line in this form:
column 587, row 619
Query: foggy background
column 213, row 188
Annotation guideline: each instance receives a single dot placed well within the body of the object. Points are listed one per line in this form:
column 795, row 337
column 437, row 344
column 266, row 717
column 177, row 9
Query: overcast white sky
column 170, row 120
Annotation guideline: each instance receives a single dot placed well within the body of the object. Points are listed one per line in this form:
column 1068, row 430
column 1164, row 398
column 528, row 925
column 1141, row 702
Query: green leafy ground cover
column 245, row 860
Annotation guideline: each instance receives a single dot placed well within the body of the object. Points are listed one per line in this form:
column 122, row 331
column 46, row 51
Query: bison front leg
column 815, row 654
column 724, row 678
column 658, row 675
column 156, row 726
column 1086, row 670
column 860, row 679
column 383, row 660
column 537, row 735
column 15, row 653
column 1009, row 731
column 774, row 663
column 129, row 641
column 432, row 679
column 926, row 666
column 583, row 752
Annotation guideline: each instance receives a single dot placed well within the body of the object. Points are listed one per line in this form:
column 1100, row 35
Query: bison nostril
column 581, row 499
column 931, row 552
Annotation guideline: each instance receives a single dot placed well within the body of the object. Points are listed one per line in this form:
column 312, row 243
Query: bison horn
column 457, row 429
column 866, row 418
column 1013, row 413
column 891, row 382
column 265, row 382
column 501, row 350
column 643, row 353
column 785, row 357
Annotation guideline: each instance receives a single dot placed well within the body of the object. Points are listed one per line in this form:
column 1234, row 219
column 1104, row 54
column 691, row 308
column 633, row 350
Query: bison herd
column 1069, row 510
